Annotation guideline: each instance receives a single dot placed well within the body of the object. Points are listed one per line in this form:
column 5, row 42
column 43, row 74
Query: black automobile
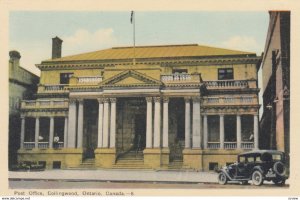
column 260, row 165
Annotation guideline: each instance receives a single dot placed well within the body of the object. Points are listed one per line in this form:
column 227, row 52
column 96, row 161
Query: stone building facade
column 275, row 122
column 176, row 106
column 22, row 85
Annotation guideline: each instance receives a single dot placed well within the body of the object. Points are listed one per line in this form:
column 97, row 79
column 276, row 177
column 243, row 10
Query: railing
column 180, row 78
column 213, row 145
column 29, row 145
column 229, row 100
column 45, row 104
column 89, row 79
column 247, row 145
column 60, row 145
column 54, row 87
column 226, row 84
column 230, row 145
column 43, row 145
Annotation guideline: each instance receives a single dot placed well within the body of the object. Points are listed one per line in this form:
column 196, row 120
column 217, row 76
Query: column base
column 192, row 158
column 157, row 158
column 105, row 157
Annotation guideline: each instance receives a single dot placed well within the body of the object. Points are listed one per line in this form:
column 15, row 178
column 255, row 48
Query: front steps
column 131, row 160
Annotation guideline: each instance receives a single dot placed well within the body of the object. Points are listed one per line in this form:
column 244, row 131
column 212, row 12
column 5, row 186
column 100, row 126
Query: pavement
column 119, row 175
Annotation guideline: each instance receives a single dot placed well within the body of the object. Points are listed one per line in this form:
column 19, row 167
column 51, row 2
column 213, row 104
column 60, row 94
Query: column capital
column 149, row 99
column 100, row 100
column 187, row 99
column 105, row 100
column 196, row 99
column 113, row 100
column 72, row 101
column 80, row 101
column 156, row 99
column 166, row 99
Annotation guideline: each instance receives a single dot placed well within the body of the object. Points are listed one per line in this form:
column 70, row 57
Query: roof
column 163, row 51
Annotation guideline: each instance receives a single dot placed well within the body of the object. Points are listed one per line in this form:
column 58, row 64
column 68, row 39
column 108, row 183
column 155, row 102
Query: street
column 59, row 184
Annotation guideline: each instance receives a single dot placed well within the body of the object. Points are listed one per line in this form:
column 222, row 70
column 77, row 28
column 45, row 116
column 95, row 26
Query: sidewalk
column 117, row 176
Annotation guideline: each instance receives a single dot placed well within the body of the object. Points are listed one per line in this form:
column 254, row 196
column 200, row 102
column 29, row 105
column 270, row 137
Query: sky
column 30, row 32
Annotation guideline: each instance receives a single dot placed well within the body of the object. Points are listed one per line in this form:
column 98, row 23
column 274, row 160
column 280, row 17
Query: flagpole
column 133, row 21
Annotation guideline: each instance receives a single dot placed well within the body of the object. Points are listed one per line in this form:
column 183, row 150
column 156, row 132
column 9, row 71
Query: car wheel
column 222, row 178
column 279, row 168
column 278, row 181
column 257, row 178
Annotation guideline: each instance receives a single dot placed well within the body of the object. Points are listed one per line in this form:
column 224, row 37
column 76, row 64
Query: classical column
column 100, row 123
column 165, row 122
column 187, row 123
column 156, row 122
column 196, row 123
column 149, row 123
column 238, row 132
column 80, row 124
column 51, row 132
column 205, row 136
column 105, row 123
column 71, row 124
column 22, row 132
column 37, row 132
column 66, row 132
column 222, row 136
column 112, row 122
column 256, row 143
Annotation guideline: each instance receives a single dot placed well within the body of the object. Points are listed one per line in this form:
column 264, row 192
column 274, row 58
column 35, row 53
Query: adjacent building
column 275, row 122
column 169, row 106
column 22, row 85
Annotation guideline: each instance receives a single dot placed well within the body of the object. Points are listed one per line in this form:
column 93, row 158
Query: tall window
column 65, row 78
column 225, row 74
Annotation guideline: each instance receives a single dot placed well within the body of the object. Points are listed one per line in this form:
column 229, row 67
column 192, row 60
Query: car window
column 250, row 159
column 257, row 159
column 242, row 159
column 276, row 157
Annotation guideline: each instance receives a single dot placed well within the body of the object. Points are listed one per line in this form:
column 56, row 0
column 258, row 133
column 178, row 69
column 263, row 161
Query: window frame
column 226, row 75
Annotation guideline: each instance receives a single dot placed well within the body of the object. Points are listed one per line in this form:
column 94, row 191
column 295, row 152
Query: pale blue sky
column 31, row 32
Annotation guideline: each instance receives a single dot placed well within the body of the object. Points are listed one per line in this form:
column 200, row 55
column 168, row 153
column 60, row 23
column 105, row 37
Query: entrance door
column 140, row 132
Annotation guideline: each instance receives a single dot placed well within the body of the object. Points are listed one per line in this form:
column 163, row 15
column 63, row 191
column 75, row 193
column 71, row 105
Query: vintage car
column 257, row 166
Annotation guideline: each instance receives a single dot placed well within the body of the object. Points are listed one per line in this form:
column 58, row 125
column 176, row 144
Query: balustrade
column 180, row 78
column 226, row 84
column 28, row 145
column 43, row 145
column 213, row 145
column 230, row 145
column 89, row 79
column 54, row 87
column 247, row 145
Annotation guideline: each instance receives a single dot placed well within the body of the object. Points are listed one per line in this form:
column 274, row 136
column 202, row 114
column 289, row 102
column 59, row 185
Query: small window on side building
column 213, row 165
column 65, row 78
column 225, row 74
column 56, row 164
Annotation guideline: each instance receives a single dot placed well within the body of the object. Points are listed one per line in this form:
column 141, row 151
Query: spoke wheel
column 222, row 178
column 257, row 178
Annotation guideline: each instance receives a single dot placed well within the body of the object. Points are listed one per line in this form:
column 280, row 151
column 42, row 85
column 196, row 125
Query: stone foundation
column 105, row 157
column 157, row 158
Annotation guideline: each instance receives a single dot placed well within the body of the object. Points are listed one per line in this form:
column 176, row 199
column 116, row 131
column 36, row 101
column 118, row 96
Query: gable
column 130, row 78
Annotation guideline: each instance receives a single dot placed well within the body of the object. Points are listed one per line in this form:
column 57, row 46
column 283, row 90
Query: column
column 165, row 122
column 222, row 132
column 71, row 124
column 205, row 136
column 22, row 132
column 105, row 123
column 37, row 132
column 51, row 132
column 112, row 122
column 80, row 124
column 66, row 132
column 149, row 123
column 187, row 123
column 256, row 143
column 157, row 122
column 238, row 132
column 196, row 123
column 100, row 123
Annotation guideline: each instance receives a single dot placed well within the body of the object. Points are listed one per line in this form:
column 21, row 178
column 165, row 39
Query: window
column 42, row 163
column 179, row 71
column 56, row 164
column 225, row 74
column 213, row 165
column 65, row 78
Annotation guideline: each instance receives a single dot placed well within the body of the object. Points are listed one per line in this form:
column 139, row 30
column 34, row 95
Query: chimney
column 15, row 58
column 56, row 47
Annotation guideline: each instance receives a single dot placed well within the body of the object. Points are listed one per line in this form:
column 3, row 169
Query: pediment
column 130, row 78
